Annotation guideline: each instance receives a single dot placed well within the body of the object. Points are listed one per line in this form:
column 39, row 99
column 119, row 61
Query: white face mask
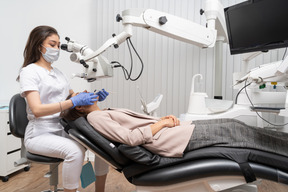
column 51, row 54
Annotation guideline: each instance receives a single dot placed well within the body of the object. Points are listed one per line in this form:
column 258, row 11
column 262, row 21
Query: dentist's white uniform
column 45, row 135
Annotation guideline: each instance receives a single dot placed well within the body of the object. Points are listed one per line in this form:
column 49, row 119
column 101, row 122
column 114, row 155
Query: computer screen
column 257, row 25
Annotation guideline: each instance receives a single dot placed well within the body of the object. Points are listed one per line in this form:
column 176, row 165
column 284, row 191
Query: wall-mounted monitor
column 257, row 25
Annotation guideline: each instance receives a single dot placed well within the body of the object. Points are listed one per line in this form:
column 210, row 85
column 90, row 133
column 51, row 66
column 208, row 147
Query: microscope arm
column 170, row 26
column 116, row 40
column 159, row 22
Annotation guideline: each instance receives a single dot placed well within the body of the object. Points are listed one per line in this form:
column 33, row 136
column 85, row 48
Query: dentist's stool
column 18, row 122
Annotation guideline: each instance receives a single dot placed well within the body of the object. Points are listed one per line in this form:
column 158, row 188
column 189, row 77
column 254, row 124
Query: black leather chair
column 18, row 122
column 206, row 169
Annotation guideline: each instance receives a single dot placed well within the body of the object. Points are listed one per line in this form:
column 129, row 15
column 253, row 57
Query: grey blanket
column 234, row 133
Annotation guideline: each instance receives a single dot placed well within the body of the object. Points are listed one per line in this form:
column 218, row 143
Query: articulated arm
column 159, row 22
column 171, row 26
column 271, row 72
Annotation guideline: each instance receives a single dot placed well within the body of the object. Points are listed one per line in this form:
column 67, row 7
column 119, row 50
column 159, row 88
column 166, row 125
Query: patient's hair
column 71, row 114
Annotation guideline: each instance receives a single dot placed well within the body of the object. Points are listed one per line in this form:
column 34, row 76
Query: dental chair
column 203, row 170
column 18, row 122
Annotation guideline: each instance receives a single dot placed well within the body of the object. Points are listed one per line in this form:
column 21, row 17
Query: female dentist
column 45, row 89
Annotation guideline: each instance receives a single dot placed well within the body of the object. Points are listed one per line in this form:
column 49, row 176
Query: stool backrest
column 18, row 116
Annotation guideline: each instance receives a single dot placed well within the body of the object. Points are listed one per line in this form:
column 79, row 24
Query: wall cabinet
column 10, row 148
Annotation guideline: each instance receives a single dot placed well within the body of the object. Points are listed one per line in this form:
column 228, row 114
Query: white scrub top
column 52, row 86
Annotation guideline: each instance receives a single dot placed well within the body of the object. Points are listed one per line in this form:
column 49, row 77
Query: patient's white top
column 52, row 86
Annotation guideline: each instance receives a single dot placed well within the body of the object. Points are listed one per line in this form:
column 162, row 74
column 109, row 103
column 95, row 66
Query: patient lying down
column 169, row 137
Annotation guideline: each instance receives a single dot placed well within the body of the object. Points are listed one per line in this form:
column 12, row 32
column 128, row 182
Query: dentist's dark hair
column 37, row 36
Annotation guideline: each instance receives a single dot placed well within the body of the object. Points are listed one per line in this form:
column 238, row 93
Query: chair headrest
column 65, row 124
column 109, row 147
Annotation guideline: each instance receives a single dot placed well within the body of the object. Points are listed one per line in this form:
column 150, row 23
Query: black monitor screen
column 257, row 25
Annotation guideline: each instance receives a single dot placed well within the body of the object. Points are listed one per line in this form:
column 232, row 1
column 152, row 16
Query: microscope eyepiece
column 64, row 47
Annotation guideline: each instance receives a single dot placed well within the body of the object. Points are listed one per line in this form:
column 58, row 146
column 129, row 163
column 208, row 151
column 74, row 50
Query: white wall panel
column 168, row 64
column 166, row 75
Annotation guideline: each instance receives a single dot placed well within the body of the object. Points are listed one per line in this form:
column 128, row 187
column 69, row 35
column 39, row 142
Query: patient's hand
column 167, row 121
column 173, row 121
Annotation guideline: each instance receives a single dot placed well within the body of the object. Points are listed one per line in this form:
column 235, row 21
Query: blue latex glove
column 102, row 95
column 84, row 99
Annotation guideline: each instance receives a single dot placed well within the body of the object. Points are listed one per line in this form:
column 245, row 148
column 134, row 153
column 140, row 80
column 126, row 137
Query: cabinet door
column 10, row 146
column 13, row 143
column 10, row 160
column 6, row 122
column 3, row 136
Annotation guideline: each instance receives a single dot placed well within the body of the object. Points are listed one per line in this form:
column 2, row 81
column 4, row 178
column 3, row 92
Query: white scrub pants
column 61, row 146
